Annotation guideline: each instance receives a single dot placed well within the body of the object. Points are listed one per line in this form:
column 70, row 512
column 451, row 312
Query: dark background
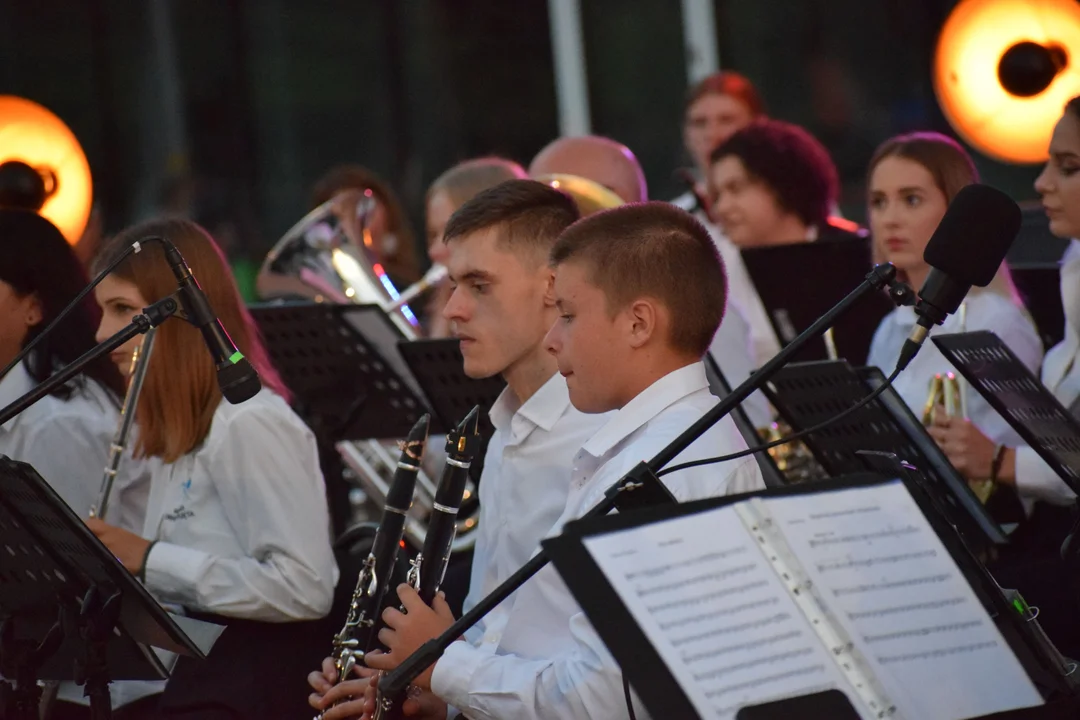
column 230, row 109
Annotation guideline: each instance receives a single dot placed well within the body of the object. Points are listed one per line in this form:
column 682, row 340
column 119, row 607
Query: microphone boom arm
column 395, row 681
column 150, row 317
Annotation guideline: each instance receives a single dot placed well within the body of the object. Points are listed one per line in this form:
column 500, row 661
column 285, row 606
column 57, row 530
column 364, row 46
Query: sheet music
column 878, row 565
column 715, row 611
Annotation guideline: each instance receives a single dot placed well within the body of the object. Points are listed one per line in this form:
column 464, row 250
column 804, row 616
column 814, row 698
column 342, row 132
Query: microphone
column 966, row 249
column 235, row 375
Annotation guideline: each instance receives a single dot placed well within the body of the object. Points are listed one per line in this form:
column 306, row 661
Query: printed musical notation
column 717, row 614
column 900, row 597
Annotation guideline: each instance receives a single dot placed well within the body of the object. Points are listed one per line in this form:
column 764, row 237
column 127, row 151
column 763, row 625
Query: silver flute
column 140, row 360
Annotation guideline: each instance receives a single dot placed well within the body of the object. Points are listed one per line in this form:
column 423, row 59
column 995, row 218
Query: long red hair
column 180, row 392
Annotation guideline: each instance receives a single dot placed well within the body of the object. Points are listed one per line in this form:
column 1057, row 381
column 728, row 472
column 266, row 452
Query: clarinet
column 429, row 567
column 358, row 636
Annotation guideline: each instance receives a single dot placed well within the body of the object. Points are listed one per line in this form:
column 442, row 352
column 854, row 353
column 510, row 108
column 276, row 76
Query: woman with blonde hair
column 912, row 180
column 450, row 191
column 237, row 530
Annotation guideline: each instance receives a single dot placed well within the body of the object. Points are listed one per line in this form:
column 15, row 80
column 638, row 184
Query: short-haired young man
column 501, row 308
column 640, row 292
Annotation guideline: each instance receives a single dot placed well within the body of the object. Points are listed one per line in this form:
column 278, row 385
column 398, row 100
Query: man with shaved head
column 595, row 158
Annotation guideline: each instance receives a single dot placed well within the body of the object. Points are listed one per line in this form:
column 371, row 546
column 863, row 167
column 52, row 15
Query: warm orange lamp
column 43, row 167
column 1004, row 70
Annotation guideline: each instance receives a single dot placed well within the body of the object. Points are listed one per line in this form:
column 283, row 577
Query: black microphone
column 966, row 249
column 235, row 375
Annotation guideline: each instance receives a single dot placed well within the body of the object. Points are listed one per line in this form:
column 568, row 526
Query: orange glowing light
column 37, row 137
column 999, row 123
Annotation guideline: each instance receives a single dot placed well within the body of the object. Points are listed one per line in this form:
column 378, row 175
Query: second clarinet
column 429, row 567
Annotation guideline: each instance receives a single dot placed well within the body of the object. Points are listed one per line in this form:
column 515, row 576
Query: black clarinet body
column 358, row 635
column 429, row 567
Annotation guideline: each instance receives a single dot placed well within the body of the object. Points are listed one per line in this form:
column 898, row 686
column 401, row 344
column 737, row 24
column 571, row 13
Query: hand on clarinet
column 406, row 631
column 420, row 704
column 129, row 548
column 352, row 690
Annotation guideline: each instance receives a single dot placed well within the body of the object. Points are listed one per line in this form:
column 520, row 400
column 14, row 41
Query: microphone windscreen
column 238, row 382
column 972, row 239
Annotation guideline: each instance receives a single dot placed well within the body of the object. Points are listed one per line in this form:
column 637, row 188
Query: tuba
column 327, row 257
column 140, row 361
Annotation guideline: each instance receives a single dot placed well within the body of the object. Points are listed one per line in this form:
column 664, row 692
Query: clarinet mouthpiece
column 465, row 438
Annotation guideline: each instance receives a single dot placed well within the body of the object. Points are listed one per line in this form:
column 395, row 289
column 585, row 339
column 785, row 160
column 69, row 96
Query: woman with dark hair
column 1035, row 565
column 770, row 183
column 237, row 529
column 65, row 435
column 912, row 180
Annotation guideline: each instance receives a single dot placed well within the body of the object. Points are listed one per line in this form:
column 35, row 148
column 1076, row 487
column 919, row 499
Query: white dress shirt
column 241, row 523
column 731, row 348
column 986, row 310
column 550, row 662
column 742, row 294
column 1061, row 374
column 523, row 489
column 67, row 442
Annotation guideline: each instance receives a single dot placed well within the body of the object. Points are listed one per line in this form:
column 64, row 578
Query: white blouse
column 986, row 310
column 241, row 523
column 67, row 442
column 1061, row 374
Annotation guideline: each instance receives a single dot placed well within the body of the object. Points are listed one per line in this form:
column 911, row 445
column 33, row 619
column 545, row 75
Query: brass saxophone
column 949, row 391
column 140, row 360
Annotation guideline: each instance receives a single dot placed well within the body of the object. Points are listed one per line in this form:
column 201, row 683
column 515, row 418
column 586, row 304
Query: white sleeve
column 585, row 683
column 1035, row 479
column 481, row 552
column 265, row 470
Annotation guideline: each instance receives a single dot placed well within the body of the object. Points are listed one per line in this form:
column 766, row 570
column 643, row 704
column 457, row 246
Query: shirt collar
column 16, row 384
column 649, row 403
column 543, row 409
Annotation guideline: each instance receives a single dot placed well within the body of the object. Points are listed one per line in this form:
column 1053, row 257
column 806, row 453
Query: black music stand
column 71, row 611
column 647, row 671
column 438, row 367
column 795, row 297
column 807, row 394
column 1017, row 395
column 346, row 388
column 720, row 387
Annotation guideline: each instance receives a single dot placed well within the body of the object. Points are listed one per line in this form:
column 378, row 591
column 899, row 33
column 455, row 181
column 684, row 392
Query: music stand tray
column 333, row 357
column 1016, row 394
column 49, row 560
column 794, row 297
column 438, row 367
column 807, row 394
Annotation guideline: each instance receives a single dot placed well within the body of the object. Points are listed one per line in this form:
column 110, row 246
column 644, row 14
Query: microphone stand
column 151, row 317
column 641, row 478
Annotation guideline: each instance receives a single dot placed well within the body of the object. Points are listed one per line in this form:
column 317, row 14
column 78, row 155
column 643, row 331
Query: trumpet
column 429, row 567
column 140, row 360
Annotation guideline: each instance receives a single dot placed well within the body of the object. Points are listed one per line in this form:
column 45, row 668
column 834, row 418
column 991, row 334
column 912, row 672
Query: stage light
column 1003, row 71
column 43, row 167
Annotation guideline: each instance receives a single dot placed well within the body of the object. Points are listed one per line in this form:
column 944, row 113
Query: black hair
column 37, row 260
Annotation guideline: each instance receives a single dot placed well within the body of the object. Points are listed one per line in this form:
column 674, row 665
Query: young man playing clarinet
column 640, row 291
column 501, row 308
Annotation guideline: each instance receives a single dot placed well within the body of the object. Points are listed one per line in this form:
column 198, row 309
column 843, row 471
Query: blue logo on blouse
column 186, row 488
